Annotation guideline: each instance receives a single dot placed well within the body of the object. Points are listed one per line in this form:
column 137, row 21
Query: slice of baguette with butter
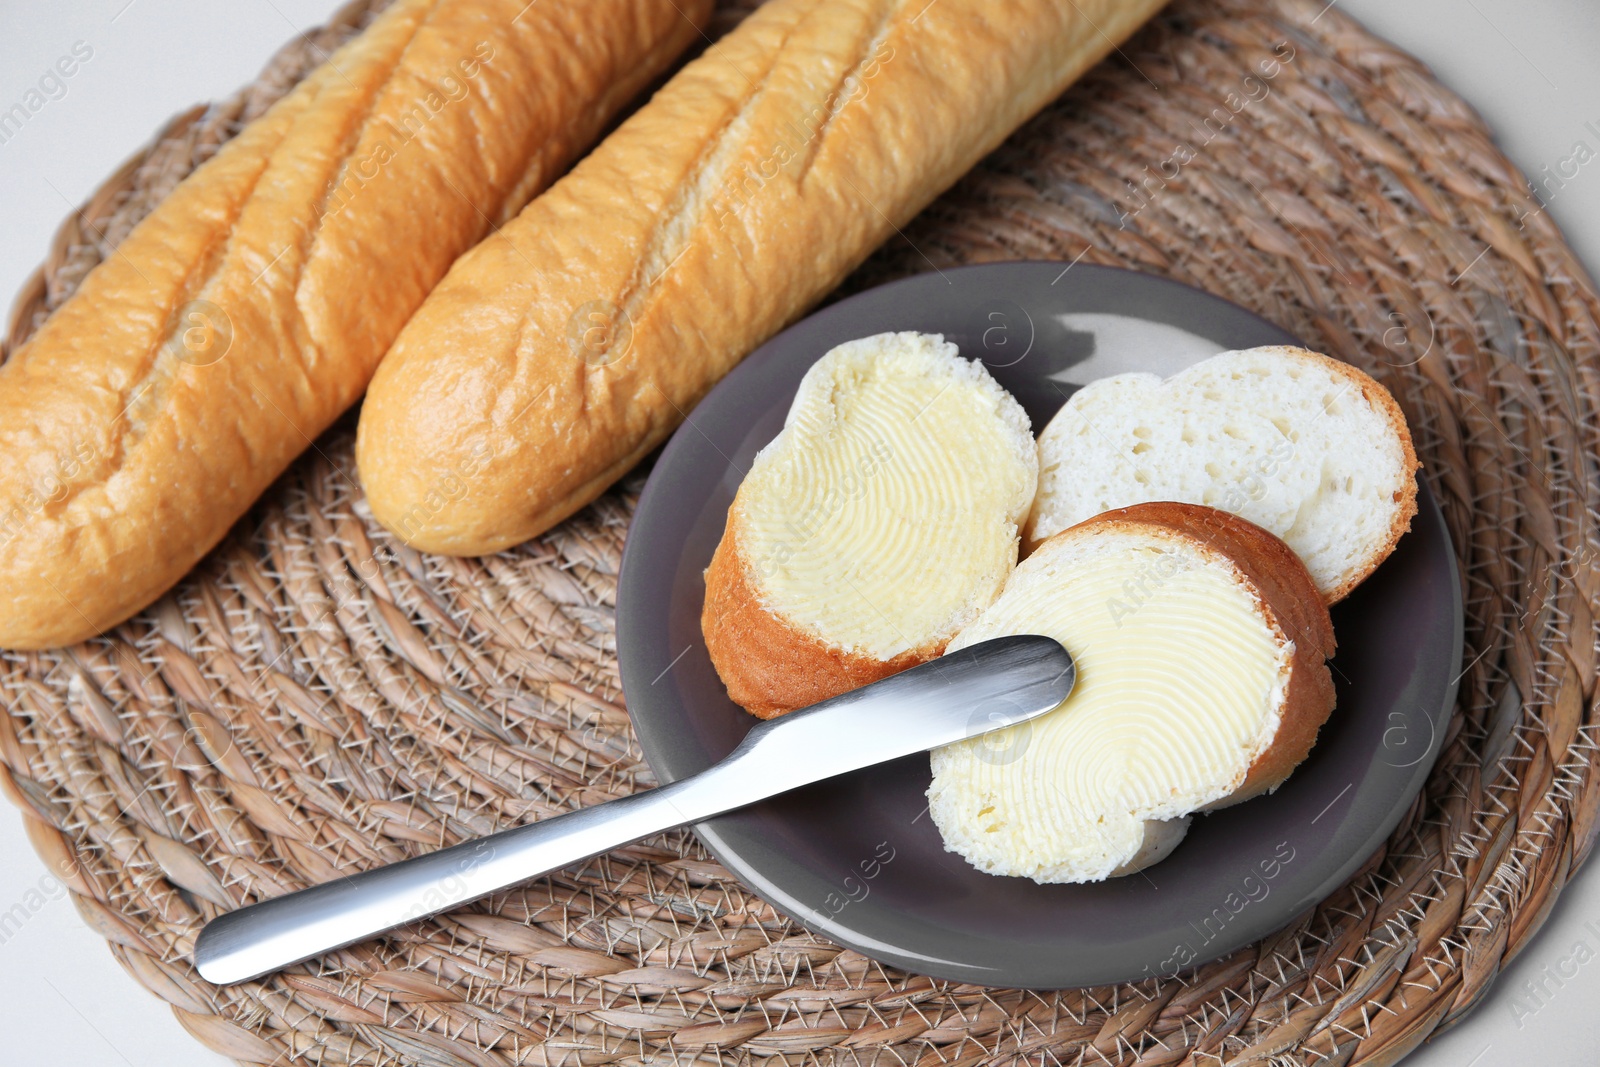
column 1308, row 447
column 1200, row 643
column 557, row 355
column 883, row 517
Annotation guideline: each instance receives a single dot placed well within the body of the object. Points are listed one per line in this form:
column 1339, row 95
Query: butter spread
column 885, row 516
column 1180, row 686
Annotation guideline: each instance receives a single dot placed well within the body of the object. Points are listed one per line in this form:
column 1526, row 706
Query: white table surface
column 1530, row 69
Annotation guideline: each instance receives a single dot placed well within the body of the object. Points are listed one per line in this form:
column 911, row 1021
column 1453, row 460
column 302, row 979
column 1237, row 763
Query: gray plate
column 857, row 859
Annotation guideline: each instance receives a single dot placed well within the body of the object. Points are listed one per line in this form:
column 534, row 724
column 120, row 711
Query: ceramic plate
column 857, row 859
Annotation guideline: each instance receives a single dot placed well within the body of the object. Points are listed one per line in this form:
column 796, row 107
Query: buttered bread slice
column 1200, row 644
column 1308, row 447
column 883, row 518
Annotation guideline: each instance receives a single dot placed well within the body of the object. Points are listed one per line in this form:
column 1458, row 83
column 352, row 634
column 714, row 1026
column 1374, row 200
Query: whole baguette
column 548, row 363
column 237, row 321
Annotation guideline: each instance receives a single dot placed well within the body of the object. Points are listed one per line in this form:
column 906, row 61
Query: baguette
column 1308, row 447
column 1201, row 646
column 547, row 364
column 249, row 309
column 880, row 521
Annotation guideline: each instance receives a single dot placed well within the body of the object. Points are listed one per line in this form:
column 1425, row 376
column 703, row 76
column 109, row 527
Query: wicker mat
column 316, row 698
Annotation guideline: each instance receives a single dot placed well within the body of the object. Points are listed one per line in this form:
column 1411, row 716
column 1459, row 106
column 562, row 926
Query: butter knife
column 990, row 685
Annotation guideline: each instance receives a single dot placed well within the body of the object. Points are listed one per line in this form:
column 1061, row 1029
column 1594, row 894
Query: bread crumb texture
column 1309, row 448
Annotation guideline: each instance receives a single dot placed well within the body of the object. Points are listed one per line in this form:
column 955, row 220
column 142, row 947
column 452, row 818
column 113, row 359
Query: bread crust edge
column 768, row 665
column 1378, row 396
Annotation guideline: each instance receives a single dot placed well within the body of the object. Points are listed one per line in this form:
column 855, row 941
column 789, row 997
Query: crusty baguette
column 1201, row 644
column 249, row 309
column 1309, row 447
column 548, row 363
column 883, row 518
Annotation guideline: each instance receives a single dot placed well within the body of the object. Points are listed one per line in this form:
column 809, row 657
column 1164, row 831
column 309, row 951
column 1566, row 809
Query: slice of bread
column 1308, row 447
column 1201, row 648
column 884, row 517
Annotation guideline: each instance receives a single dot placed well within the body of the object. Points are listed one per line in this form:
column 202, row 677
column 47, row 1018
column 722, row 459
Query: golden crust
column 1289, row 601
column 770, row 666
column 314, row 235
column 555, row 355
column 1383, row 402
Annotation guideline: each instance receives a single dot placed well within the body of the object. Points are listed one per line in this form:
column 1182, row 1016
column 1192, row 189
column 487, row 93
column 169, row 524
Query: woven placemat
column 316, row 698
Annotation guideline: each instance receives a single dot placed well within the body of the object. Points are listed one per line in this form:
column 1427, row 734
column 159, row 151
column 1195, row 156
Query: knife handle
column 275, row 933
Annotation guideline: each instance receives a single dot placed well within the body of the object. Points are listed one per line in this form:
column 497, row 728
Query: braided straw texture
column 316, row 698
